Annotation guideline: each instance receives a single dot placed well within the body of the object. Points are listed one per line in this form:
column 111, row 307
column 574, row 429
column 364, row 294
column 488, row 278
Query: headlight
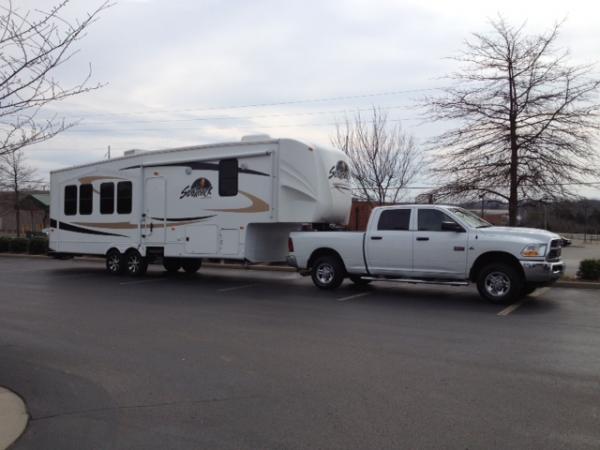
column 534, row 250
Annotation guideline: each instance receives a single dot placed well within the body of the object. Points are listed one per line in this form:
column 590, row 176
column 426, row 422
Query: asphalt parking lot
column 250, row 359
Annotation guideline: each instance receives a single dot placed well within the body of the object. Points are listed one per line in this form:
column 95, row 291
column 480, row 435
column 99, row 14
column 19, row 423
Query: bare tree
column 16, row 176
column 384, row 158
column 33, row 44
column 527, row 119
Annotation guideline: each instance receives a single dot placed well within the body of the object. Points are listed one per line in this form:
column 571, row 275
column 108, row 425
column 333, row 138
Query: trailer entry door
column 155, row 210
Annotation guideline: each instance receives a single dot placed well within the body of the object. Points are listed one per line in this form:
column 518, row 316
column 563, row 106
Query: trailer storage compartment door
column 201, row 239
column 230, row 242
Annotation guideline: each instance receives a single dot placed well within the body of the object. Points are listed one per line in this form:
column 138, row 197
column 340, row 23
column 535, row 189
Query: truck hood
column 533, row 234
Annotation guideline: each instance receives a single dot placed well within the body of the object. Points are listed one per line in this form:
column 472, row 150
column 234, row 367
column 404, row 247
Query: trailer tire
column 327, row 272
column 171, row 265
column 114, row 262
column 191, row 265
column 356, row 279
column 135, row 264
column 500, row 283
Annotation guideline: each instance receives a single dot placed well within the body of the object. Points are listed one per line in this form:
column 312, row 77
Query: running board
column 415, row 281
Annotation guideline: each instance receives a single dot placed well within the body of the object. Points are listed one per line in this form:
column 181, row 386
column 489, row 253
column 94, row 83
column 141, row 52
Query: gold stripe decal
column 258, row 205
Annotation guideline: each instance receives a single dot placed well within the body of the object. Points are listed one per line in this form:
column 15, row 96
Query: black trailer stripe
column 76, row 229
column 181, row 219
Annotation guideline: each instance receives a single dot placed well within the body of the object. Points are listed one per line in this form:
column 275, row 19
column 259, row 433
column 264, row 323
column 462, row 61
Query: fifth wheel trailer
column 237, row 200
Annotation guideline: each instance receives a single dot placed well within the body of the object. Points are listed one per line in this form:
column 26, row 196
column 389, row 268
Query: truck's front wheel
column 327, row 272
column 500, row 283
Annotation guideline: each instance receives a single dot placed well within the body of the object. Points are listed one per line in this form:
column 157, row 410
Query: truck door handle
column 376, row 238
column 422, row 239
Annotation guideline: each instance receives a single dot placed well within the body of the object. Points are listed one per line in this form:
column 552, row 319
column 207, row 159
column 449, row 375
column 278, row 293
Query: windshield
column 470, row 219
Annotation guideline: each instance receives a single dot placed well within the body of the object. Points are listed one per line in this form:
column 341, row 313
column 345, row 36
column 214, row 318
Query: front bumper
column 542, row 271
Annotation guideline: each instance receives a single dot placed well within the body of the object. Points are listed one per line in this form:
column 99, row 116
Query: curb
column 204, row 264
column 577, row 284
column 13, row 417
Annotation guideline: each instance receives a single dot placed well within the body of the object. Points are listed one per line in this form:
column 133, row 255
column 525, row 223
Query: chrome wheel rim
column 133, row 264
column 325, row 273
column 497, row 284
column 114, row 263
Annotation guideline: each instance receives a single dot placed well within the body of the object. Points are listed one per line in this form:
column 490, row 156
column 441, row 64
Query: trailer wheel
column 356, row 279
column 191, row 265
column 500, row 283
column 114, row 262
column 171, row 265
column 135, row 264
column 327, row 272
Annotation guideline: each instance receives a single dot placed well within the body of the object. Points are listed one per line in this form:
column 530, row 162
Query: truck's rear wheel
column 327, row 272
column 191, row 265
column 171, row 265
column 500, row 283
column 135, row 264
column 114, row 262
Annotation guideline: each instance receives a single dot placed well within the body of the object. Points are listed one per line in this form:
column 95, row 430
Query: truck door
column 155, row 211
column 438, row 252
column 389, row 243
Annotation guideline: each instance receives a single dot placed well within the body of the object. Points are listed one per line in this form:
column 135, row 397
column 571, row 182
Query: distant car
column 565, row 241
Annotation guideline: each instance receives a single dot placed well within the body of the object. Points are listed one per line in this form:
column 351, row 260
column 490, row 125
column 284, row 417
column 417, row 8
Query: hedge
column 33, row 246
column 589, row 269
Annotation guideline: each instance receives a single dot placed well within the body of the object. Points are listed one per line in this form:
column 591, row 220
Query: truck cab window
column 124, row 189
column 86, row 192
column 431, row 219
column 228, row 177
column 107, row 198
column 70, row 200
column 394, row 219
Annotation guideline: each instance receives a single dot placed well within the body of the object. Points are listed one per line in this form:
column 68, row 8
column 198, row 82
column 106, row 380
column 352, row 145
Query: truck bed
column 349, row 245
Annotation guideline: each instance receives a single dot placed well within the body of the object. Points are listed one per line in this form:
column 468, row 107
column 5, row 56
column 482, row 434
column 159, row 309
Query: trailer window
column 228, row 177
column 70, row 200
column 124, row 197
column 394, row 219
column 107, row 198
column 86, row 192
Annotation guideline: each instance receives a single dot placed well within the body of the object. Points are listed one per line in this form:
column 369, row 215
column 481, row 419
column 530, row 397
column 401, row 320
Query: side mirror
column 452, row 226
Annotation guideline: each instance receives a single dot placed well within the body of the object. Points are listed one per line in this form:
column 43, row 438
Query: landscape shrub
column 4, row 244
column 18, row 245
column 589, row 269
column 38, row 246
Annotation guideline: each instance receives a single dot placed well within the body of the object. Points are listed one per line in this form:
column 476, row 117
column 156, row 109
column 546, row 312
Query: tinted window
column 228, row 177
column 70, row 200
column 124, row 197
column 394, row 219
column 431, row 219
column 86, row 192
column 107, row 198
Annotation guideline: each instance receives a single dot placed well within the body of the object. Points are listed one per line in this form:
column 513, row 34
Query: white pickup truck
column 432, row 244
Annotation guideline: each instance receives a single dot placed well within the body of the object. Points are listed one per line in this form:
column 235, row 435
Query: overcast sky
column 183, row 72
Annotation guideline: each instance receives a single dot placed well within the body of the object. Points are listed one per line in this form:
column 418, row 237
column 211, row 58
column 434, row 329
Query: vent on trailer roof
column 133, row 151
column 256, row 138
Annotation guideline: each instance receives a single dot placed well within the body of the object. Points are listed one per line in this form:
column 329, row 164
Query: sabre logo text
column 199, row 188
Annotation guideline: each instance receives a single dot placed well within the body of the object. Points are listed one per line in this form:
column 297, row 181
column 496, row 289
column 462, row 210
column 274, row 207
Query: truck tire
column 500, row 283
column 191, row 265
column 327, row 272
column 171, row 265
column 356, row 279
column 135, row 264
column 114, row 262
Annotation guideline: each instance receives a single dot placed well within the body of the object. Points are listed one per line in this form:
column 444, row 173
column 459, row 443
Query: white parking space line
column 235, row 288
column 350, row 297
column 149, row 280
column 506, row 311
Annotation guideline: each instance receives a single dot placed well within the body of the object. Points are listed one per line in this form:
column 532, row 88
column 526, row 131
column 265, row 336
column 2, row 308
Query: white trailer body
column 235, row 200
